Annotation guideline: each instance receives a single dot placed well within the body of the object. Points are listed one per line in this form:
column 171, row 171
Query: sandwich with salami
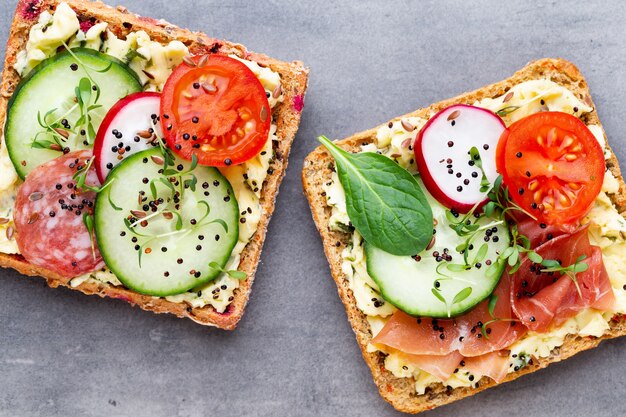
column 139, row 160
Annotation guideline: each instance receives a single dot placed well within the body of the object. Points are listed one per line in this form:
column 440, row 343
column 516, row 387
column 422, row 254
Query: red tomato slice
column 553, row 166
column 216, row 109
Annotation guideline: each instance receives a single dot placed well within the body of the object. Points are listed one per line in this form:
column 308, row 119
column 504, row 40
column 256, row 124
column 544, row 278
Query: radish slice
column 442, row 154
column 130, row 126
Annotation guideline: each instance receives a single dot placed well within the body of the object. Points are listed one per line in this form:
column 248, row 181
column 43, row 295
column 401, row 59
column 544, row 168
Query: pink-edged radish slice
column 130, row 126
column 442, row 154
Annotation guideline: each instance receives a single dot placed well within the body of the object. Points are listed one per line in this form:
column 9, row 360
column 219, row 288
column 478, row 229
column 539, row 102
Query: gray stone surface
column 64, row 354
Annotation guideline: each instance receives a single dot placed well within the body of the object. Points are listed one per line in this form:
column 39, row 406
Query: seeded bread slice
column 294, row 78
column 400, row 392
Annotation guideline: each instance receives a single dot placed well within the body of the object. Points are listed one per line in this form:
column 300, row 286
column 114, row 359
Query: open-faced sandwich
column 478, row 239
column 139, row 160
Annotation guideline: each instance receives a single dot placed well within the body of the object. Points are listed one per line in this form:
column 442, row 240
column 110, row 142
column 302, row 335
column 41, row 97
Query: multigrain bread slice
column 294, row 78
column 400, row 392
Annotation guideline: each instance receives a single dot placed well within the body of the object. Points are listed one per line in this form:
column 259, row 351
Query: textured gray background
column 64, row 354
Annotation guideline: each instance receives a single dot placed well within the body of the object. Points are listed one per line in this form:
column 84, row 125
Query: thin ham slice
column 539, row 235
column 441, row 366
column 495, row 365
column 426, row 336
column 541, row 300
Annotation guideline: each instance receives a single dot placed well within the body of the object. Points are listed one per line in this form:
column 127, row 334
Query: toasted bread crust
column 294, row 78
column 400, row 392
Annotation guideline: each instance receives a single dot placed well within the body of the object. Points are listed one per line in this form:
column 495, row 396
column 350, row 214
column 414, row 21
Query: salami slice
column 49, row 217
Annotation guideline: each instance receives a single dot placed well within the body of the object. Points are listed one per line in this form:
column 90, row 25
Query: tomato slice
column 553, row 166
column 213, row 106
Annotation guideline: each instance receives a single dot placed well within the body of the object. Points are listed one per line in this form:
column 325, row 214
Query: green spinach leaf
column 384, row 201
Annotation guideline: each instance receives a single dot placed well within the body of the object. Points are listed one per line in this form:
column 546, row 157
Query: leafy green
column 507, row 110
column 462, row 295
column 384, row 201
column 231, row 273
column 551, row 265
column 88, row 221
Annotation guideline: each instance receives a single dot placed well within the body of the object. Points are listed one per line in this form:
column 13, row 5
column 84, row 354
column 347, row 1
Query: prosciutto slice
column 541, row 299
column 426, row 336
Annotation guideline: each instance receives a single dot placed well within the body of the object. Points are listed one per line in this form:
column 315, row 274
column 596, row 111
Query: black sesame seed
column 519, row 154
column 196, row 85
column 178, row 147
column 195, row 119
column 199, row 247
column 228, row 161
column 528, row 174
column 58, row 186
column 179, row 260
column 485, row 146
column 52, row 214
column 459, row 175
column 466, row 181
column 163, row 249
column 74, row 67
column 450, row 144
column 520, row 191
column 186, row 136
column 543, row 225
column 459, row 188
column 217, row 237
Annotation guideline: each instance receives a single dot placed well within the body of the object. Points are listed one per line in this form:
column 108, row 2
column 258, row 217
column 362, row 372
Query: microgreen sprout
column 240, row 275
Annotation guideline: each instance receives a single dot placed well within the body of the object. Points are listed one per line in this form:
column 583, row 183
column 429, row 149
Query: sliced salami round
column 49, row 210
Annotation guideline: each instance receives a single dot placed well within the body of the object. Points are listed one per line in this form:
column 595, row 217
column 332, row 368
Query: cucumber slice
column 51, row 85
column 172, row 253
column 408, row 282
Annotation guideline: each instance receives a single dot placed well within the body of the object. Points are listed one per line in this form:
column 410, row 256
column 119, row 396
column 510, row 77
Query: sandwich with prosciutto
column 478, row 239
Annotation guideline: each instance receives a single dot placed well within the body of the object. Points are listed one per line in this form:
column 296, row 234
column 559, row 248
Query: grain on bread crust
column 294, row 78
column 400, row 392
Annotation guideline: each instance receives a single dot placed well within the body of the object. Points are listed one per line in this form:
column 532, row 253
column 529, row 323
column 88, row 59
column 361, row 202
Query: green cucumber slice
column 409, row 282
column 51, row 86
column 172, row 253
